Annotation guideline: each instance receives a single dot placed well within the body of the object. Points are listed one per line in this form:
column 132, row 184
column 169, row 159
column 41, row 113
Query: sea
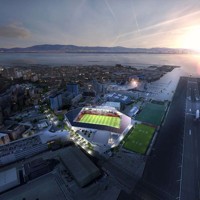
column 190, row 64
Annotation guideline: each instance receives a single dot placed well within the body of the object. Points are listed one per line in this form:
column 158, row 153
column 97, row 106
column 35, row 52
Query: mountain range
column 48, row 48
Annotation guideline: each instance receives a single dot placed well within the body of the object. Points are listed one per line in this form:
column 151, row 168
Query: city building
column 73, row 88
column 15, row 131
column 34, row 78
column 98, row 87
column 80, row 166
column 67, row 98
column 4, row 138
column 56, row 101
column 89, row 94
column 116, row 105
column 76, row 99
column 9, row 179
column 133, row 111
column 117, row 97
column 1, row 116
column 18, row 74
column 32, row 145
column 37, row 168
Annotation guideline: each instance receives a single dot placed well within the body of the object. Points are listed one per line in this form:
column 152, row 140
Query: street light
column 134, row 83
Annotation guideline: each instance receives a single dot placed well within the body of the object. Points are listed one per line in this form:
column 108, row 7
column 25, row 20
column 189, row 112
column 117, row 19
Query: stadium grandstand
column 100, row 120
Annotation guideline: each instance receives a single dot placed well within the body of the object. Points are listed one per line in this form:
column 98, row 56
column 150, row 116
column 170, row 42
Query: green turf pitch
column 101, row 120
column 152, row 114
column 139, row 138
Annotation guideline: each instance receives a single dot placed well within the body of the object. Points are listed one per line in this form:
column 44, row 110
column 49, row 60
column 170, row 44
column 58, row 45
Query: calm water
column 190, row 63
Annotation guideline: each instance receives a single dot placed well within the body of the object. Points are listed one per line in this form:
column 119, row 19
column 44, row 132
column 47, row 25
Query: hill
column 48, row 48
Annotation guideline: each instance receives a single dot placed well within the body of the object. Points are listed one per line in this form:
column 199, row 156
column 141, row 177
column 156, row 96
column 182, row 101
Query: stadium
column 106, row 125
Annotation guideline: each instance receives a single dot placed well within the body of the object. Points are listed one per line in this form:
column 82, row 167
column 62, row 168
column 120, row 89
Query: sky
column 128, row 23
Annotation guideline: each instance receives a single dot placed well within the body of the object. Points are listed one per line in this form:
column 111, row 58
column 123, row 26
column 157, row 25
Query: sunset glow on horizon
column 191, row 39
column 130, row 23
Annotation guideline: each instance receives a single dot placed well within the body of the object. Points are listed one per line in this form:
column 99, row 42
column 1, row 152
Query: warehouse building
column 80, row 166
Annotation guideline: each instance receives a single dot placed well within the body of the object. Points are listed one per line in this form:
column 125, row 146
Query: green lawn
column 139, row 138
column 101, row 120
column 152, row 114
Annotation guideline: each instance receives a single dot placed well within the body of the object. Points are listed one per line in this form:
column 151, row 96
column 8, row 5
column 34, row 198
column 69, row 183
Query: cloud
column 14, row 31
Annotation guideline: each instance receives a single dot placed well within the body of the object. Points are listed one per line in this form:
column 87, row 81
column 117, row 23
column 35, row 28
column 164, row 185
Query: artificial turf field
column 101, row 120
column 139, row 138
column 152, row 114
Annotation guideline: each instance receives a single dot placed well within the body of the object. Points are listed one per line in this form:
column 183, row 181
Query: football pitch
column 152, row 114
column 101, row 120
column 139, row 138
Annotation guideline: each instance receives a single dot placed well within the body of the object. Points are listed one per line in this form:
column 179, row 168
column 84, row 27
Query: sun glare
column 191, row 39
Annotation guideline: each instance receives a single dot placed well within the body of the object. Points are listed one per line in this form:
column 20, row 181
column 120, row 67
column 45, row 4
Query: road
column 161, row 178
column 172, row 170
column 126, row 181
column 190, row 176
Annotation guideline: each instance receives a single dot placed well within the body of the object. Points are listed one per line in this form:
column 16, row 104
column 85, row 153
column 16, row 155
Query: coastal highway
column 190, row 173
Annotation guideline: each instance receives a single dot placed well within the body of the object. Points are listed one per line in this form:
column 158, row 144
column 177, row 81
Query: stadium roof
column 71, row 116
column 80, row 166
column 8, row 179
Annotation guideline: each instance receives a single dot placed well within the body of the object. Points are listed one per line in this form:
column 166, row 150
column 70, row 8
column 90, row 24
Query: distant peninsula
column 49, row 48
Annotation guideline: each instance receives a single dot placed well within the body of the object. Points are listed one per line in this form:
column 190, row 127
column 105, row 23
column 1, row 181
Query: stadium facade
column 102, row 126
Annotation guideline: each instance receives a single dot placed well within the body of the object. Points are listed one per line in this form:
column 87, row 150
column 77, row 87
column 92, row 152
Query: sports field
column 101, row 120
column 152, row 114
column 139, row 138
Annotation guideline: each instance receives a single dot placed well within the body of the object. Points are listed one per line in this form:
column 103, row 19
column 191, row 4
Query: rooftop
column 112, row 104
column 80, row 166
column 119, row 97
column 46, row 187
column 8, row 179
column 3, row 134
